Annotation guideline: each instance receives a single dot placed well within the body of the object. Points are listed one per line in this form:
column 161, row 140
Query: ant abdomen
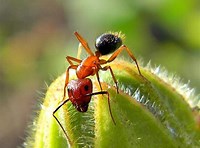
column 108, row 43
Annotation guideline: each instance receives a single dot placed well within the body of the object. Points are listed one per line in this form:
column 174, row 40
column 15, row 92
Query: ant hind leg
column 84, row 43
column 119, row 50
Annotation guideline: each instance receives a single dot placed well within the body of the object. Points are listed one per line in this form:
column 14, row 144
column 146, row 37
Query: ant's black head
column 108, row 43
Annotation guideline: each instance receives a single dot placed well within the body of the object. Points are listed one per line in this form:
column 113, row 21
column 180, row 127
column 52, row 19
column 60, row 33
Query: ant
column 80, row 90
column 80, row 93
column 105, row 44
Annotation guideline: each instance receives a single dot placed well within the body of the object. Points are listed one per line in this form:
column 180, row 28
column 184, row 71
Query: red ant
column 80, row 90
column 105, row 44
column 80, row 93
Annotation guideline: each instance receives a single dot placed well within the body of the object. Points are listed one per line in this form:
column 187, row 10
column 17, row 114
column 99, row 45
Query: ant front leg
column 119, row 50
column 72, row 66
column 67, row 78
column 112, row 74
column 62, row 103
column 84, row 43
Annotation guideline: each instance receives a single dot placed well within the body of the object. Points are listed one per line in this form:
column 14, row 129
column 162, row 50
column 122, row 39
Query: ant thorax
column 88, row 67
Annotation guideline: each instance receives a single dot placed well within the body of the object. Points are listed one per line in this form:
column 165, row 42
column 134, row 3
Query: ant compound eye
column 108, row 43
column 68, row 89
column 86, row 87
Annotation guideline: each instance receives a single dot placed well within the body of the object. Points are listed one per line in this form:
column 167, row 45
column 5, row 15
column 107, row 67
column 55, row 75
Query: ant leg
column 104, row 92
column 67, row 78
column 70, row 59
column 79, row 51
column 98, row 79
column 84, row 43
column 118, row 51
column 65, row 101
column 113, row 76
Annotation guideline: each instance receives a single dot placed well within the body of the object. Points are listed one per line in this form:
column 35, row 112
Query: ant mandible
column 105, row 44
column 80, row 92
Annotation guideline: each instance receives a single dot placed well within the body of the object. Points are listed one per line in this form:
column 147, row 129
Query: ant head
column 79, row 91
column 108, row 43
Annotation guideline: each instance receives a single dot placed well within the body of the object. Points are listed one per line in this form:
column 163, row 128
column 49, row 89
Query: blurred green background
column 36, row 36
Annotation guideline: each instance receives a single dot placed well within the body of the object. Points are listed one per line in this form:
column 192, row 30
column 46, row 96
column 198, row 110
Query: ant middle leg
column 113, row 76
column 70, row 59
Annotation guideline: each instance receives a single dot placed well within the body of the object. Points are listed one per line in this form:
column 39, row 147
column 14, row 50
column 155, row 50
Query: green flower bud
column 156, row 110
